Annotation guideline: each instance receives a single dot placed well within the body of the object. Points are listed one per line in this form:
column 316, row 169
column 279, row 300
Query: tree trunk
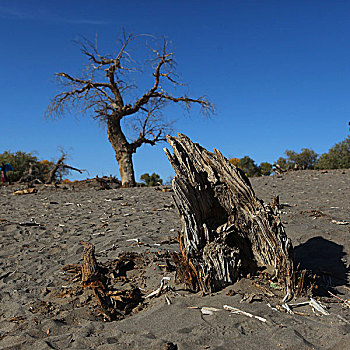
column 126, row 169
column 123, row 152
column 227, row 231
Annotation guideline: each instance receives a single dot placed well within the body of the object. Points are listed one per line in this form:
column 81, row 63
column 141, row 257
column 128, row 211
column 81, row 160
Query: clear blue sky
column 278, row 73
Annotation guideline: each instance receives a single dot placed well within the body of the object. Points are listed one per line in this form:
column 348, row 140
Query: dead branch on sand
column 60, row 165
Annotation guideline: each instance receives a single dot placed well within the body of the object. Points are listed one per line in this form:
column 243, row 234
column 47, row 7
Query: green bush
column 151, row 180
column 338, row 157
column 306, row 159
column 282, row 163
column 249, row 167
column 265, row 168
column 21, row 162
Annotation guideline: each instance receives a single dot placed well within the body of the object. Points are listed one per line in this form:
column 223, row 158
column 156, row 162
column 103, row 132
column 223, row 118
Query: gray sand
column 31, row 257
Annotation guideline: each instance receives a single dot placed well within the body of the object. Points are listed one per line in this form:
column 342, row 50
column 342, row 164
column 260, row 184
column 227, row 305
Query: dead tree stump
column 89, row 270
column 226, row 230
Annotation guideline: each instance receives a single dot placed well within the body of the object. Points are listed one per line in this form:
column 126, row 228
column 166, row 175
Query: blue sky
column 278, row 73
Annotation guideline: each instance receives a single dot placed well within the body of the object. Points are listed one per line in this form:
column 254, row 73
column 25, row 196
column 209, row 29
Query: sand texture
column 41, row 232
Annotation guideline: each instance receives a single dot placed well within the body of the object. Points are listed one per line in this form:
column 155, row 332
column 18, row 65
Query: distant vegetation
column 151, row 180
column 22, row 162
column 265, row 168
column 338, row 157
column 27, row 165
column 249, row 167
column 306, row 159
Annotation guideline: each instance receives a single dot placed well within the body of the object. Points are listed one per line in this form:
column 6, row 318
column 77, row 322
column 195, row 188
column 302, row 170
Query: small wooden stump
column 226, row 230
column 89, row 270
column 99, row 279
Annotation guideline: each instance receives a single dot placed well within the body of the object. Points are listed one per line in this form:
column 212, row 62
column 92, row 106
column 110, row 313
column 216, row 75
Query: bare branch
column 99, row 61
column 207, row 108
column 152, row 128
column 83, row 82
column 60, row 164
column 172, row 80
column 165, row 60
column 65, row 166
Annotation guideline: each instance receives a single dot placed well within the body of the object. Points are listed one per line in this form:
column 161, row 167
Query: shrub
column 338, row 157
column 249, row 167
column 234, row 161
column 21, row 163
column 151, row 180
column 265, row 168
column 306, row 159
column 282, row 163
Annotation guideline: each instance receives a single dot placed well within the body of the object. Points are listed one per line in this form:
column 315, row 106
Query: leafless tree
column 107, row 88
column 60, row 166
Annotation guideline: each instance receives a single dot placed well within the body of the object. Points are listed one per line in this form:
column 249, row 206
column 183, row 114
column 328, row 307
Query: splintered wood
column 100, row 279
column 26, row 191
column 226, row 230
column 90, row 270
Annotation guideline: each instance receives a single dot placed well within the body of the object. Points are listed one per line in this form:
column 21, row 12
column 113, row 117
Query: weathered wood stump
column 90, row 270
column 227, row 231
column 100, row 279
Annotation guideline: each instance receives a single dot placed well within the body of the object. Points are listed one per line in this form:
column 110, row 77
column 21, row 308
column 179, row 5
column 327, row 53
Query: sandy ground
column 36, row 313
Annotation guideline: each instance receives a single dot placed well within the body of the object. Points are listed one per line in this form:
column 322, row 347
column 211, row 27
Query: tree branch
column 151, row 129
column 60, row 164
column 166, row 60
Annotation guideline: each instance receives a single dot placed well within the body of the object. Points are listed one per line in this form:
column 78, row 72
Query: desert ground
column 42, row 308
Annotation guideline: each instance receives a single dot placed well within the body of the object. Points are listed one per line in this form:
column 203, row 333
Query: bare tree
column 107, row 91
column 60, row 166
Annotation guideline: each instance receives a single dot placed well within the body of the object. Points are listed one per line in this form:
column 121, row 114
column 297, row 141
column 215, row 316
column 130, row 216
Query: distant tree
column 306, row 159
column 60, row 168
column 25, row 164
column 338, row 157
column 234, row 161
column 249, row 167
column 20, row 161
column 151, row 180
column 282, row 163
column 27, row 167
column 111, row 89
column 290, row 159
column 265, row 168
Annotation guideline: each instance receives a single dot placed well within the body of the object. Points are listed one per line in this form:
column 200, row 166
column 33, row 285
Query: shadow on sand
column 325, row 259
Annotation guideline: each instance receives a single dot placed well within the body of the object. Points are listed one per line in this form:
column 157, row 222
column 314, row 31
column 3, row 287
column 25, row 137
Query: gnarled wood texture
column 90, row 270
column 226, row 230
